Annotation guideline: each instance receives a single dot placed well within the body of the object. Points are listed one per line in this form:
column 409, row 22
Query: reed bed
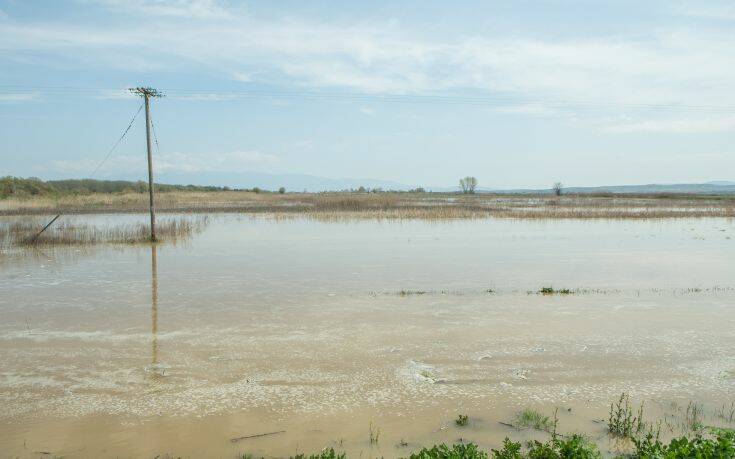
column 21, row 233
column 386, row 205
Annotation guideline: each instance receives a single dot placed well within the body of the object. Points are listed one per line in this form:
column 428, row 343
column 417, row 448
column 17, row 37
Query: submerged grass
column 374, row 436
column 22, row 233
column 726, row 412
column 532, row 419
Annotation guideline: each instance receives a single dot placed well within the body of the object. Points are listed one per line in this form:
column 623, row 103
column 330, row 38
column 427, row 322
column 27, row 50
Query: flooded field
column 368, row 336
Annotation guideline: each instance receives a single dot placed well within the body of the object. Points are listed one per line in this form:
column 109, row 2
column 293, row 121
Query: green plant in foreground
column 693, row 417
column 720, row 447
column 622, row 422
column 462, row 420
column 326, row 453
column 511, row 450
column 576, row 447
column 457, row 451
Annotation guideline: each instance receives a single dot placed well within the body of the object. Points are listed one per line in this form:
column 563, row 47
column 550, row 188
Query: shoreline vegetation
column 380, row 205
column 23, row 232
column 690, row 433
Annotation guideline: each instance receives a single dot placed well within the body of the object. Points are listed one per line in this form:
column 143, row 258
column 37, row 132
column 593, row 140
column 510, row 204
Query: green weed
column 574, row 447
column 622, row 421
column 529, row 418
column 552, row 291
column 457, row 451
column 720, row 447
column 326, row 453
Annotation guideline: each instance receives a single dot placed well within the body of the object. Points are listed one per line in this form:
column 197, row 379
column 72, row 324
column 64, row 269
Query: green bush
column 457, row 451
column 17, row 186
column 327, row 453
column 720, row 447
column 511, row 450
column 574, row 447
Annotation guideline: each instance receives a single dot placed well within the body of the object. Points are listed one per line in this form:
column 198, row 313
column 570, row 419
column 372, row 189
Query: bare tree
column 558, row 188
column 468, row 185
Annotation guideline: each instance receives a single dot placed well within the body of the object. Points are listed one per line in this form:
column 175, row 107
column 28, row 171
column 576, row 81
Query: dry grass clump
column 355, row 202
column 23, row 232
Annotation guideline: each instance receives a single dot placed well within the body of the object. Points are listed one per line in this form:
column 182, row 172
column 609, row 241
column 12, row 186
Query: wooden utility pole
column 147, row 93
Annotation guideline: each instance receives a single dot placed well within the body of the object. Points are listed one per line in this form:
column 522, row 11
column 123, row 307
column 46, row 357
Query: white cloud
column 236, row 161
column 690, row 125
column 84, row 166
column 19, row 97
column 671, row 67
column 709, row 11
column 196, row 9
column 527, row 109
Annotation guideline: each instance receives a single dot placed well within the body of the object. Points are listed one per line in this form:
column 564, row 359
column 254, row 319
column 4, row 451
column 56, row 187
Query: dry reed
column 22, row 232
column 387, row 205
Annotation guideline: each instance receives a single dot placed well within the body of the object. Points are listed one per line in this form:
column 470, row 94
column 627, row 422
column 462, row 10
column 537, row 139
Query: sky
column 519, row 94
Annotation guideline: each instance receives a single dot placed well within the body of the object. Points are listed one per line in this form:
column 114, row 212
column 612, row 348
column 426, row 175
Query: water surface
column 318, row 329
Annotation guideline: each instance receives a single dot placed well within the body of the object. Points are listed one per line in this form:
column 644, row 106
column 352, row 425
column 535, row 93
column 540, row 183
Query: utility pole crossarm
column 147, row 93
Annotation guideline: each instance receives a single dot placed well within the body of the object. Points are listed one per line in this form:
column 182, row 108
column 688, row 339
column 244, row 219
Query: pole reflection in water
column 155, row 369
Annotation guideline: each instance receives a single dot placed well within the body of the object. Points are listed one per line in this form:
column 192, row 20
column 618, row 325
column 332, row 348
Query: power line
column 155, row 137
column 109, row 153
column 507, row 99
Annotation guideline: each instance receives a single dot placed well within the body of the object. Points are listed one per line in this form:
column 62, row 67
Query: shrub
column 511, row 450
column 622, row 422
column 457, row 451
column 574, row 447
column 326, row 453
column 721, row 446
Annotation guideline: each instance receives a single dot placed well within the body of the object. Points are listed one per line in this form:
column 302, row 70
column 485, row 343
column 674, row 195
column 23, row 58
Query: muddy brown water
column 319, row 331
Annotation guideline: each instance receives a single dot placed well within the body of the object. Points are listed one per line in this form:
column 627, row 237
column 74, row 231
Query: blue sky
column 516, row 93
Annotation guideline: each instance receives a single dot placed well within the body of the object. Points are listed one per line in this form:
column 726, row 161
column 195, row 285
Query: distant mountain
column 722, row 187
column 695, row 188
column 716, row 187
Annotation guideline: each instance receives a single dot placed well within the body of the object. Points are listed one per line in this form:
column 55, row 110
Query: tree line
column 32, row 186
